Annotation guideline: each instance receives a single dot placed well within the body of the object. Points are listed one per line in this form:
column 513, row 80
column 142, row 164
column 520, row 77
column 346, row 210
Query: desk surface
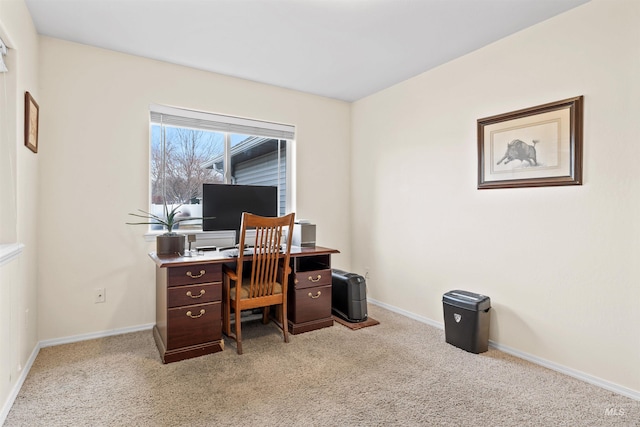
column 212, row 257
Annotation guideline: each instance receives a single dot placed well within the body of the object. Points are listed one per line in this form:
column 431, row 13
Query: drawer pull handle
column 189, row 294
column 317, row 279
column 197, row 315
column 190, row 274
column 315, row 296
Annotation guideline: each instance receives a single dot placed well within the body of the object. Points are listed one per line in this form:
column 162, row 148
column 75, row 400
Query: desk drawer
column 193, row 324
column 308, row 304
column 307, row 279
column 192, row 274
column 194, row 294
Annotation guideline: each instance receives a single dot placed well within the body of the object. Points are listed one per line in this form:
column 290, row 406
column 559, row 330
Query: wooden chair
column 265, row 284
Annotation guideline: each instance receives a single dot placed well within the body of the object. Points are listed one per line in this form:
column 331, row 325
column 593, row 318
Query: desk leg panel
column 170, row 356
column 161, row 306
column 299, row 328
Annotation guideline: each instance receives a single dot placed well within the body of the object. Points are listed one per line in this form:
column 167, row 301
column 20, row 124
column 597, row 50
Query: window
column 190, row 148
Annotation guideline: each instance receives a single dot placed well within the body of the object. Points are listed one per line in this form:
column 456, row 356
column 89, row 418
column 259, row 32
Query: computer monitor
column 226, row 203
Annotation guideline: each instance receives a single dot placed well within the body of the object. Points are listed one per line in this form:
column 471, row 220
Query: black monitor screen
column 226, row 203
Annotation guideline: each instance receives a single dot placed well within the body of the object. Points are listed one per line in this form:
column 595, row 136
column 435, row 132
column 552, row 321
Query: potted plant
column 170, row 242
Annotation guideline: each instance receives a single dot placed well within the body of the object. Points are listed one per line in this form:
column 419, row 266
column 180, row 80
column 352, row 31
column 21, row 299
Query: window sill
column 10, row 251
column 200, row 235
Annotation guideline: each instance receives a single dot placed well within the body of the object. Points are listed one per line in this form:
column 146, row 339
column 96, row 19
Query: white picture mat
column 551, row 130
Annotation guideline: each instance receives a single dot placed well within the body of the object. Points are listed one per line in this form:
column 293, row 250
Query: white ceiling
column 343, row 49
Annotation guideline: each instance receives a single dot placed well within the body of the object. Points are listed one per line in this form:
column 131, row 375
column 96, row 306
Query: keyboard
column 233, row 253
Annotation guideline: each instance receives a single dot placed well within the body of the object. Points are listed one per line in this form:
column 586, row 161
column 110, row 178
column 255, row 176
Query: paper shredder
column 466, row 320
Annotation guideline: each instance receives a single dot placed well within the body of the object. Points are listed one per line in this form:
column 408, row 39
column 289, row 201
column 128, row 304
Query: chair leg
column 265, row 315
column 238, row 332
column 285, row 323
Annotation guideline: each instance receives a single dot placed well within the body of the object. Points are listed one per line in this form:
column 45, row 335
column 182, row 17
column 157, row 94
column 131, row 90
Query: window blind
column 180, row 117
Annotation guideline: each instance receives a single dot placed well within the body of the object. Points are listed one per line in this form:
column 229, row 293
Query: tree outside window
column 178, row 171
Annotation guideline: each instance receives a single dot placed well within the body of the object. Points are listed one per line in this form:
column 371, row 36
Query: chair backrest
column 269, row 261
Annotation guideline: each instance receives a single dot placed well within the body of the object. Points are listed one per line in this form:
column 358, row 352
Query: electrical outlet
column 99, row 295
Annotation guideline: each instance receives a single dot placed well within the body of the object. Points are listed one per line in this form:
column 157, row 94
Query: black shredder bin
column 466, row 320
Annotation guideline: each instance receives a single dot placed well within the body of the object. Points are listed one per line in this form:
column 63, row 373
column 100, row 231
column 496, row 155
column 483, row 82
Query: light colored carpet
column 398, row 373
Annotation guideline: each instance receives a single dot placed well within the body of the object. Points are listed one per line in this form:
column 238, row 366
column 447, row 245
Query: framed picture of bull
column 534, row 147
column 31, row 118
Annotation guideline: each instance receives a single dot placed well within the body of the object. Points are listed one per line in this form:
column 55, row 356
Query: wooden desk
column 189, row 299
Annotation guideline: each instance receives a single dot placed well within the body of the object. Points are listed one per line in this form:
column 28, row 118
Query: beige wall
column 19, row 200
column 560, row 264
column 95, row 169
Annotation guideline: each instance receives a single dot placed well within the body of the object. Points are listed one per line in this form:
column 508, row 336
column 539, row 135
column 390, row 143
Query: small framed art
column 534, row 147
column 31, row 118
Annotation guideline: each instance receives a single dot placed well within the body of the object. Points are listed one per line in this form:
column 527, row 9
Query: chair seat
column 244, row 290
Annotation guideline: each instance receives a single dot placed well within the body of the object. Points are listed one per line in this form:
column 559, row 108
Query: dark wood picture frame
column 534, row 147
column 31, row 119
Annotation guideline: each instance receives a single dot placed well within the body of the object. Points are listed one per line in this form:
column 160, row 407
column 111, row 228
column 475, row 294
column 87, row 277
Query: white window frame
column 182, row 117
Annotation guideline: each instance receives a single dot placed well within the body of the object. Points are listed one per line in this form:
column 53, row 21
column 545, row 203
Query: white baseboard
column 599, row 382
column 6, row 407
column 408, row 314
column 94, row 335
column 18, row 385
